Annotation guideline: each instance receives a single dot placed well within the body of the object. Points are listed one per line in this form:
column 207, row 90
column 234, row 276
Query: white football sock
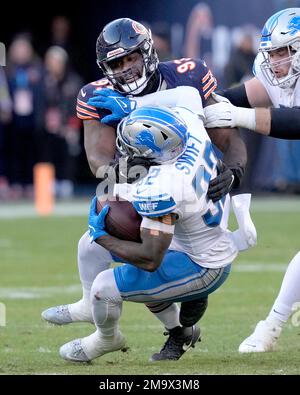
column 288, row 295
column 245, row 236
column 106, row 303
column 168, row 315
column 80, row 310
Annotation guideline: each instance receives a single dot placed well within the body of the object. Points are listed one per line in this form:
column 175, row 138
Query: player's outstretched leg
column 92, row 259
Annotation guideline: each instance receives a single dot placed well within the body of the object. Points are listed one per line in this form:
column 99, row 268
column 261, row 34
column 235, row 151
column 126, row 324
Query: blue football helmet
column 155, row 133
column 282, row 30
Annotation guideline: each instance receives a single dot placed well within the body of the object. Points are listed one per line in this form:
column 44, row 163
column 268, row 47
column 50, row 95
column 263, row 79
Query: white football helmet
column 282, row 30
column 155, row 133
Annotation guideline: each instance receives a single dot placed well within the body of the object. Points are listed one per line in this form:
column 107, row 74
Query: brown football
column 122, row 221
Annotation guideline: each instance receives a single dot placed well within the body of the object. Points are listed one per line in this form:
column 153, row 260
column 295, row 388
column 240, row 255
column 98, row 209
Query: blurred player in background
column 186, row 249
column 276, row 87
column 126, row 55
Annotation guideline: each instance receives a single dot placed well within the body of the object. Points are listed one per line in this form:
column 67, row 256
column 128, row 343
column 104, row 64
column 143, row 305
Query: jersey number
column 212, row 217
column 154, row 172
column 185, row 64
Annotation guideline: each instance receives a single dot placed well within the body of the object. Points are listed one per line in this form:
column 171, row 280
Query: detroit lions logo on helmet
column 294, row 25
column 147, row 139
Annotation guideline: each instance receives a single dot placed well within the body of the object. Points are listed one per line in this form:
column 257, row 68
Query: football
column 122, row 221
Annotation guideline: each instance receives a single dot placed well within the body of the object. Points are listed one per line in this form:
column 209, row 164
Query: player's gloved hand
column 228, row 178
column 119, row 105
column 97, row 221
column 223, row 114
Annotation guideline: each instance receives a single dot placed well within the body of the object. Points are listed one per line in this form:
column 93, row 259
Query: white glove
column 223, row 114
column 245, row 236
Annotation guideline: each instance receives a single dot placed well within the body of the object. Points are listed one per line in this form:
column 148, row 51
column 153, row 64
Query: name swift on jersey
column 181, row 188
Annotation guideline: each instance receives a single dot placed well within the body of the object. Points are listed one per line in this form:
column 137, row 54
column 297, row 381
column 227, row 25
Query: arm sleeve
column 237, row 96
column 182, row 96
column 285, row 123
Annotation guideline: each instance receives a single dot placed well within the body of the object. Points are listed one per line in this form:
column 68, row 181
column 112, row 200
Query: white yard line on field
column 259, row 267
column 76, row 208
column 39, row 292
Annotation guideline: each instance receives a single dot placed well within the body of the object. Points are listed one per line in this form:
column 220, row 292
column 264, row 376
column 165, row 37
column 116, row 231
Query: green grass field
column 38, row 270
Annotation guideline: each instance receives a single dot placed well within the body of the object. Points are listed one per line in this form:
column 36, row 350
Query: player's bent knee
column 105, row 288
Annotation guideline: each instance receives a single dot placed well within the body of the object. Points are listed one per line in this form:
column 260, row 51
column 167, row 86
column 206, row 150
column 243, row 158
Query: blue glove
column 97, row 221
column 119, row 105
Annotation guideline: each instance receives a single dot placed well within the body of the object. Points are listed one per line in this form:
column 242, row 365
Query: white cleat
column 264, row 338
column 68, row 313
column 91, row 347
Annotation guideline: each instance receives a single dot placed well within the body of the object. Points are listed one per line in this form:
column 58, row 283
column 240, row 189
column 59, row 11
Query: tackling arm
column 232, row 167
column 231, row 144
column 250, row 94
column 120, row 105
column 99, row 144
column 281, row 123
column 275, row 122
column 285, row 123
column 234, row 161
column 258, row 99
column 182, row 96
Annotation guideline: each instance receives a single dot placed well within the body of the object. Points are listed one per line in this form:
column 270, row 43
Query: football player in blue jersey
column 186, row 250
column 274, row 94
column 133, row 78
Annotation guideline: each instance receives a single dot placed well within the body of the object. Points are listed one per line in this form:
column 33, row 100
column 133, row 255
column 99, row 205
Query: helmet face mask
column 281, row 31
column 155, row 133
column 270, row 67
column 125, row 37
column 130, row 79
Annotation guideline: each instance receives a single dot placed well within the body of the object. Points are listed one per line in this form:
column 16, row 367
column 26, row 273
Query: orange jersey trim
column 207, row 94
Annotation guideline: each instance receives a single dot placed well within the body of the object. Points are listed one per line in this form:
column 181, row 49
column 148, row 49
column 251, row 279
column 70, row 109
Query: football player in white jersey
column 274, row 94
column 186, row 250
column 133, row 74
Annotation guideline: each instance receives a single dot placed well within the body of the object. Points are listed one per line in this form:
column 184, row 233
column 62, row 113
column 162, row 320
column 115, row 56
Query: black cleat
column 179, row 341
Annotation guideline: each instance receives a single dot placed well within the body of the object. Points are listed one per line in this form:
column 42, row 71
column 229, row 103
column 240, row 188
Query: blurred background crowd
column 50, row 54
